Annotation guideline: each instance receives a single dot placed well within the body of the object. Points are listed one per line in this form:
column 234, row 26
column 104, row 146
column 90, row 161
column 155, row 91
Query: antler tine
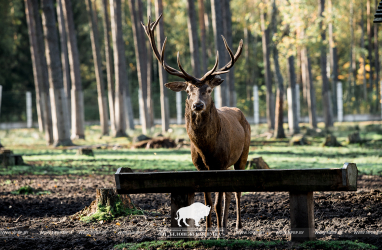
column 234, row 58
column 149, row 29
column 206, row 75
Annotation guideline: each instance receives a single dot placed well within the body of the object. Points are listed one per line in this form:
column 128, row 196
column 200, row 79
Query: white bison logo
column 195, row 211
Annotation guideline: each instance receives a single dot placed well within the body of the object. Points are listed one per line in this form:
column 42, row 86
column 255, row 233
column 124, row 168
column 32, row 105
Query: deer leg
column 225, row 210
column 238, row 217
column 208, row 202
column 218, row 209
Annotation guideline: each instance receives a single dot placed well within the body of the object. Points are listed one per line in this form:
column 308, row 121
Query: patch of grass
column 108, row 213
column 181, row 244
column 347, row 244
column 27, row 190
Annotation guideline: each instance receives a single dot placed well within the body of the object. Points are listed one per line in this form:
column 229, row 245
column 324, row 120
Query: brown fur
column 219, row 138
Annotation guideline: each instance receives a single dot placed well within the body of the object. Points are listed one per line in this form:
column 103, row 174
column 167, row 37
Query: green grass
column 241, row 244
column 41, row 159
column 27, row 190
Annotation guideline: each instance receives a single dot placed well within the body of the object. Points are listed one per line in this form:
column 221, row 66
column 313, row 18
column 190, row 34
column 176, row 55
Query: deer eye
column 209, row 91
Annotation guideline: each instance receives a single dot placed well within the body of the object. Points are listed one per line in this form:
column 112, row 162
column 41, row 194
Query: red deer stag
column 219, row 138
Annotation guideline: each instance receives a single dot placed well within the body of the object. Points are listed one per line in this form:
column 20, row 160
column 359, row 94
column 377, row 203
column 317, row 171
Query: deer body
column 219, row 138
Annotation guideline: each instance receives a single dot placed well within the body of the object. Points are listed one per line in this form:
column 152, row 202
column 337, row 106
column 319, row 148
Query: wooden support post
column 301, row 216
column 179, row 200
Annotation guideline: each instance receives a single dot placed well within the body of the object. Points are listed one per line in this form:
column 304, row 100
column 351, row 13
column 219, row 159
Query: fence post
column 256, row 105
column 179, row 107
column 29, row 109
column 340, row 112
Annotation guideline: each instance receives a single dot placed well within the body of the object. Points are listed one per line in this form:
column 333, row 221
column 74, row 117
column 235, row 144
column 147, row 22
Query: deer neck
column 203, row 129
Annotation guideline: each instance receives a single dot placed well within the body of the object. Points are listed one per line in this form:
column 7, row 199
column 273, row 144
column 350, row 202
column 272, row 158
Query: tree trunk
column 120, row 68
column 326, row 100
column 376, row 59
column 78, row 121
column 150, row 105
column 267, row 73
column 64, row 55
column 248, row 75
column 333, row 60
column 140, row 55
column 217, row 21
column 368, row 25
column 44, row 87
column 193, row 38
column 37, row 74
column 109, row 65
column 227, row 25
column 61, row 131
column 162, row 73
column 310, row 93
column 292, row 102
column 363, row 56
column 102, row 107
column 279, row 118
column 202, row 28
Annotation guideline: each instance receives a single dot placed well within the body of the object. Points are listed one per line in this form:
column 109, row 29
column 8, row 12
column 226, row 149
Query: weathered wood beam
column 301, row 216
column 259, row 180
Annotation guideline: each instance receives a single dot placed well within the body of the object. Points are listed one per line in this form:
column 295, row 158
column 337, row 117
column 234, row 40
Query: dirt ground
column 42, row 221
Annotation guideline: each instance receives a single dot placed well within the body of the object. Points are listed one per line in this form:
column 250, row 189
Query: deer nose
column 198, row 106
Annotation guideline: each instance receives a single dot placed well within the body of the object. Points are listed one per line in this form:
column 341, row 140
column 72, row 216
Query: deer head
column 198, row 89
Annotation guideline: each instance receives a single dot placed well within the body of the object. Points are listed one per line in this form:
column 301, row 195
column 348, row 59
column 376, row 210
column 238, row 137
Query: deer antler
column 149, row 29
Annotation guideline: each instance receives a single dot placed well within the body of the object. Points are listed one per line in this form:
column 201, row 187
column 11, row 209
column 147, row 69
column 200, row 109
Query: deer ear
column 176, row 86
column 216, row 81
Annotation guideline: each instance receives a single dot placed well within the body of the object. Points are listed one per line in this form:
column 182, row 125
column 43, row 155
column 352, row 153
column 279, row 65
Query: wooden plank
column 301, row 216
column 259, row 180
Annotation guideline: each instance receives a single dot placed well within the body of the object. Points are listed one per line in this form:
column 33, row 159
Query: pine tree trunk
column 202, row 28
column 193, row 38
column 310, row 93
column 267, row 73
column 77, row 105
column 150, row 105
column 376, row 60
column 119, row 67
column 162, row 73
column 363, row 56
column 103, row 112
column 44, row 87
column 217, row 21
column 227, row 24
column 37, row 71
column 61, row 131
column 64, row 55
column 368, row 25
column 248, row 75
column 109, row 65
column 140, row 55
column 333, row 60
column 326, row 100
column 279, row 117
column 292, row 103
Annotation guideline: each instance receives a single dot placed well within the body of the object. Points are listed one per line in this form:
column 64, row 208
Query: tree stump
column 354, row 138
column 85, row 151
column 140, row 138
column 331, row 141
column 108, row 205
column 7, row 158
column 299, row 139
column 257, row 163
